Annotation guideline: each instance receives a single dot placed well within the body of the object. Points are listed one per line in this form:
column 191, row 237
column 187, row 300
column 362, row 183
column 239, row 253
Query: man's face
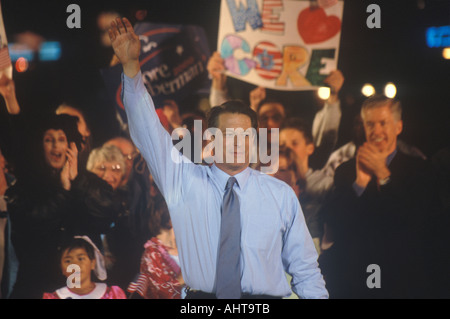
column 235, row 146
column 270, row 115
column 382, row 128
column 295, row 140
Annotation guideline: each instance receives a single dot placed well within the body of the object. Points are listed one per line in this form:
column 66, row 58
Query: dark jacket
column 44, row 216
column 389, row 226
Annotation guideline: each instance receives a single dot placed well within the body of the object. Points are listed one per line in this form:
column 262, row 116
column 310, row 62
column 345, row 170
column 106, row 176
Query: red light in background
column 21, row 64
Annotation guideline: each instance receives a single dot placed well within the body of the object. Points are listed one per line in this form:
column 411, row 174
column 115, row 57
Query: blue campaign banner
column 173, row 63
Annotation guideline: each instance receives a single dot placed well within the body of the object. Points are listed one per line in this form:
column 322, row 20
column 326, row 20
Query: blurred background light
column 21, row 64
column 50, row 51
column 368, row 90
column 390, row 90
column 446, row 53
column 324, row 92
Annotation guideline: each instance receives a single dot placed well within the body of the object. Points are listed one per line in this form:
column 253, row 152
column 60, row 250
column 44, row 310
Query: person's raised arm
column 149, row 136
column 216, row 71
column 8, row 91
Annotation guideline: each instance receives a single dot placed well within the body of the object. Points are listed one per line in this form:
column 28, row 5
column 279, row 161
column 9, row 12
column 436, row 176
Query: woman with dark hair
column 52, row 199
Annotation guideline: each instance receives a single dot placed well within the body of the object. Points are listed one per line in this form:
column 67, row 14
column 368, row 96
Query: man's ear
column 399, row 127
column 310, row 148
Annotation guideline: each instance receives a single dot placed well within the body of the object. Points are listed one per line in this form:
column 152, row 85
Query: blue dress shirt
column 274, row 236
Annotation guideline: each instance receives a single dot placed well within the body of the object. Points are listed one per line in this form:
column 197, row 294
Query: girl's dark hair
column 75, row 243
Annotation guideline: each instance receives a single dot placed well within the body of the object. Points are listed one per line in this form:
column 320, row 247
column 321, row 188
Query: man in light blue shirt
column 274, row 236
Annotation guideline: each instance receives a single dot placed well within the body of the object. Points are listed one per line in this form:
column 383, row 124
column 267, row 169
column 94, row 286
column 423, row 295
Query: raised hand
column 8, row 91
column 216, row 69
column 126, row 45
column 70, row 169
column 335, row 80
column 257, row 95
column 64, row 176
column 72, row 159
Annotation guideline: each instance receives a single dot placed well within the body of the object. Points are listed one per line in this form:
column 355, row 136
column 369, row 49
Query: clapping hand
column 70, row 169
column 370, row 161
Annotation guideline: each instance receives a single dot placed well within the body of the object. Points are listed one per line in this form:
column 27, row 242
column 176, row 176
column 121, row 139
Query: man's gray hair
column 380, row 101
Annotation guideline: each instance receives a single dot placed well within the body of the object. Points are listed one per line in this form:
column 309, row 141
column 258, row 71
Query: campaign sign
column 280, row 44
column 173, row 63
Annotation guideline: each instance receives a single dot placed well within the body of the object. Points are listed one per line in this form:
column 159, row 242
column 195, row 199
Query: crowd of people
column 112, row 210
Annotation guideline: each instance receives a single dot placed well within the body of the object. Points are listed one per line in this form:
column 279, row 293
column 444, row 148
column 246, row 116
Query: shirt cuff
column 132, row 85
column 358, row 189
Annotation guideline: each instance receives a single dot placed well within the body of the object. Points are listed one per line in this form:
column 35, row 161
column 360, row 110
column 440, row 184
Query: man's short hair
column 380, row 101
column 234, row 107
column 300, row 125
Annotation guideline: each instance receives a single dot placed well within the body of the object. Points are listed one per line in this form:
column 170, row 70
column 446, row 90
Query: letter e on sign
column 73, row 20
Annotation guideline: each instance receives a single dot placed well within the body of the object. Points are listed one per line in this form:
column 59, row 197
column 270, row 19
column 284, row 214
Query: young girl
column 82, row 252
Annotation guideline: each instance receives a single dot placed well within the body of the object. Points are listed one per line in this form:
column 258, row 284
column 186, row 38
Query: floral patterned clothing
column 158, row 273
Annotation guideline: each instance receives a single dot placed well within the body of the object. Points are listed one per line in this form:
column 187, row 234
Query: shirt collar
column 390, row 157
column 97, row 293
column 223, row 177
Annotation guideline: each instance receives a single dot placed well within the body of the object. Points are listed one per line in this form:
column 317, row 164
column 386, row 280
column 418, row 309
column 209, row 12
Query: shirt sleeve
column 217, row 97
column 326, row 123
column 166, row 164
column 300, row 257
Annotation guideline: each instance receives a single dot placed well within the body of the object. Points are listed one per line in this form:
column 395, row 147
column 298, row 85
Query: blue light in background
column 15, row 52
column 50, row 51
column 438, row 37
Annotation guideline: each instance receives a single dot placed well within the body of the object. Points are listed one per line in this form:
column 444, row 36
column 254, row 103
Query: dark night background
column 395, row 53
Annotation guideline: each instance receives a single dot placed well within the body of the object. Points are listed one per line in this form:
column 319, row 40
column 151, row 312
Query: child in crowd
column 81, row 251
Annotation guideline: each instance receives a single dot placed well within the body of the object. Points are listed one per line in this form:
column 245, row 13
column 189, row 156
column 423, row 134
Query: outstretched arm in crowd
column 8, row 91
column 150, row 137
column 216, row 70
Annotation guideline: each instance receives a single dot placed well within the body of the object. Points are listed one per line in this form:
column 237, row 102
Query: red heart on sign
column 315, row 26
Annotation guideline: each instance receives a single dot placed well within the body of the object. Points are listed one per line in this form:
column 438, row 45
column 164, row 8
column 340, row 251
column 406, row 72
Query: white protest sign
column 280, row 44
column 5, row 60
